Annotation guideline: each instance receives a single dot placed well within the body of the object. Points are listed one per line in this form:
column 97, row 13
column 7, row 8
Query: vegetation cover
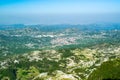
column 52, row 52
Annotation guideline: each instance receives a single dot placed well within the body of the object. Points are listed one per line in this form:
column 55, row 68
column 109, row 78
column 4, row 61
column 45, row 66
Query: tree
column 24, row 74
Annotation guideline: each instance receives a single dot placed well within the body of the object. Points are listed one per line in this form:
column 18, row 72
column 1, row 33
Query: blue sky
column 59, row 11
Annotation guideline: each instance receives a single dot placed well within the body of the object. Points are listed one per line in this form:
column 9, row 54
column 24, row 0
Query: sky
column 59, row 11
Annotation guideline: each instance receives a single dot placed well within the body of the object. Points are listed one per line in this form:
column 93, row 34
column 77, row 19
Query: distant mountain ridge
column 63, row 26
